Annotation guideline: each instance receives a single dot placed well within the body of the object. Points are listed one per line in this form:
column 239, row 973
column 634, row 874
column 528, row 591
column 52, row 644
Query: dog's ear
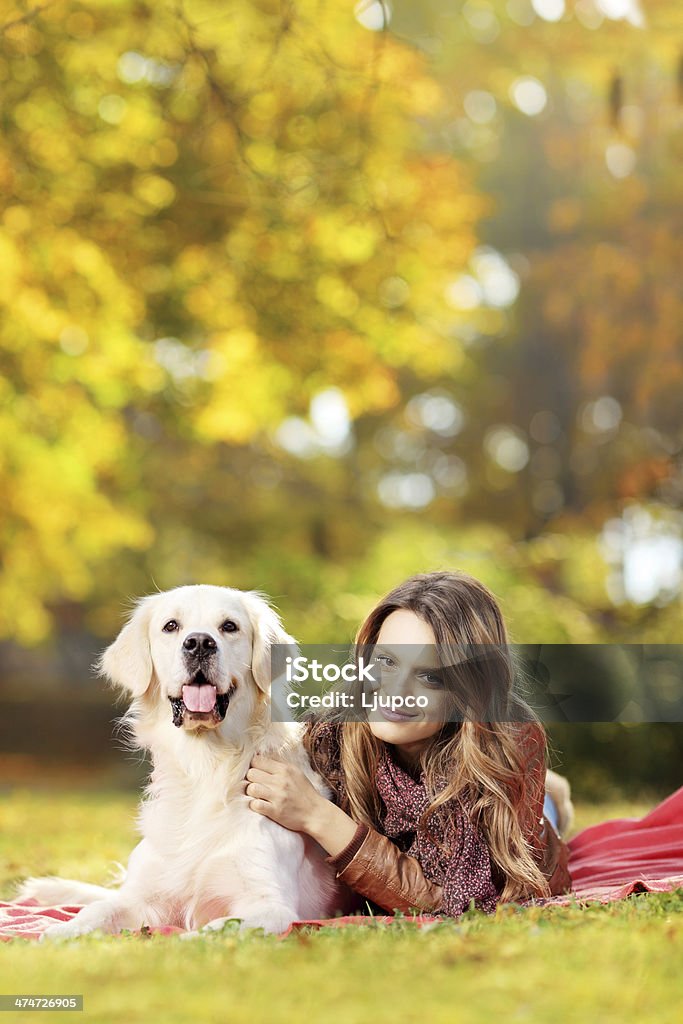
column 128, row 661
column 268, row 630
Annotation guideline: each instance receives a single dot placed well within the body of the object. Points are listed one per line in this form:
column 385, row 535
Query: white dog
column 196, row 661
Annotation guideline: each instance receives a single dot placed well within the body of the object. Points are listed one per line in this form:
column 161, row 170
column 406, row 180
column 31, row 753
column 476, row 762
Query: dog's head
column 196, row 650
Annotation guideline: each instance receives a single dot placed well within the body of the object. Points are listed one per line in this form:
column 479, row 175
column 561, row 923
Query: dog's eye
column 229, row 626
column 171, row 626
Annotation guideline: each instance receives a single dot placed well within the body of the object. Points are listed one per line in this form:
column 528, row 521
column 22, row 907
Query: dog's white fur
column 205, row 856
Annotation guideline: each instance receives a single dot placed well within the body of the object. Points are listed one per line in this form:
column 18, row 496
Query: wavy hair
column 491, row 762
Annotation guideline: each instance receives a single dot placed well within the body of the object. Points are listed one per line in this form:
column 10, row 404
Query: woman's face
column 408, row 666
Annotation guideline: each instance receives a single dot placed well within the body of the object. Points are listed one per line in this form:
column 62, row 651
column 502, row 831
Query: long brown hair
column 488, row 761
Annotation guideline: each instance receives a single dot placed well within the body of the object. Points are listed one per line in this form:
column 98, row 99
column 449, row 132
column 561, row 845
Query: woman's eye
column 229, row 626
column 432, row 680
column 171, row 626
column 384, row 660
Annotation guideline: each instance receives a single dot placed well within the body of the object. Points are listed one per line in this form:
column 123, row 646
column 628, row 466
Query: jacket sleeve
column 375, row 867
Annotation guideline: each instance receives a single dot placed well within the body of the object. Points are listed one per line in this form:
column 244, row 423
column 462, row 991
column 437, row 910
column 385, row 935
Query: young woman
column 433, row 809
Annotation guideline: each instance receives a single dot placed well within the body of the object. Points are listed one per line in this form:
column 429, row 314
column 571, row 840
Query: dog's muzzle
column 200, row 697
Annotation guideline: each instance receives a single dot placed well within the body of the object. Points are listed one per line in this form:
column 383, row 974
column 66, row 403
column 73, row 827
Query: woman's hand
column 282, row 792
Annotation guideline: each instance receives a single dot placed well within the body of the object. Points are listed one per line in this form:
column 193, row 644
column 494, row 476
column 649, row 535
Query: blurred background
column 307, row 297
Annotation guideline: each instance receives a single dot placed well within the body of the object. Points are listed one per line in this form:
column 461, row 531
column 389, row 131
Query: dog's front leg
column 269, row 897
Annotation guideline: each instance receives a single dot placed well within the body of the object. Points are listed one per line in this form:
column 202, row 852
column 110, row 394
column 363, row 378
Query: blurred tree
column 570, row 418
column 203, row 207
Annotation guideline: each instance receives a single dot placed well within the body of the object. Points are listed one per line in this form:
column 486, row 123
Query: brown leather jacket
column 375, row 868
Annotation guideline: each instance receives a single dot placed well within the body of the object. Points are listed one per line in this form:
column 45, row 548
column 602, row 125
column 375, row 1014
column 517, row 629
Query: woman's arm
column 364, row 859
column 374, row 867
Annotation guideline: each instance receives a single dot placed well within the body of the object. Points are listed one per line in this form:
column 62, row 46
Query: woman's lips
column 396, row 716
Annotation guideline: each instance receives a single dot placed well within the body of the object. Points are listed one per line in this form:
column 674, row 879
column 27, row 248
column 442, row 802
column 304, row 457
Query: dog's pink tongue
column 199, row 698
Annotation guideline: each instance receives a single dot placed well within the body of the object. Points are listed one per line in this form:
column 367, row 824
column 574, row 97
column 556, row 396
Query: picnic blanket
column 609, row 861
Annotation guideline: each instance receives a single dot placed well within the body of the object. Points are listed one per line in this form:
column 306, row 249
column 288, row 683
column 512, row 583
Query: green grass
column 618, row 963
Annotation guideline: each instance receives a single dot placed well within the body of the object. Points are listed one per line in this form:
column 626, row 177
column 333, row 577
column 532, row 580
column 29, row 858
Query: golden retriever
column 196, row 662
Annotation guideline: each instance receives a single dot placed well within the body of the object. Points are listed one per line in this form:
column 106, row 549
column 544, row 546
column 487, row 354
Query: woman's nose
column 399, row 684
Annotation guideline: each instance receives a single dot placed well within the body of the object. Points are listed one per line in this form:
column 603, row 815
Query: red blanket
column 607, row 862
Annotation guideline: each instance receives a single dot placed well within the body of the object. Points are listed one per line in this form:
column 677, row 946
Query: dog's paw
column 218, row 924
column 272, row 921
column 65, row 930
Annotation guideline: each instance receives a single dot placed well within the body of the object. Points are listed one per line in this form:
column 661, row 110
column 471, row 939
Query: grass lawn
column 618, row 963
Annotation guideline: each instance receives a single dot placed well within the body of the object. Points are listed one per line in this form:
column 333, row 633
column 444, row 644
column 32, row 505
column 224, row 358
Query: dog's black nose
column 199, row 643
